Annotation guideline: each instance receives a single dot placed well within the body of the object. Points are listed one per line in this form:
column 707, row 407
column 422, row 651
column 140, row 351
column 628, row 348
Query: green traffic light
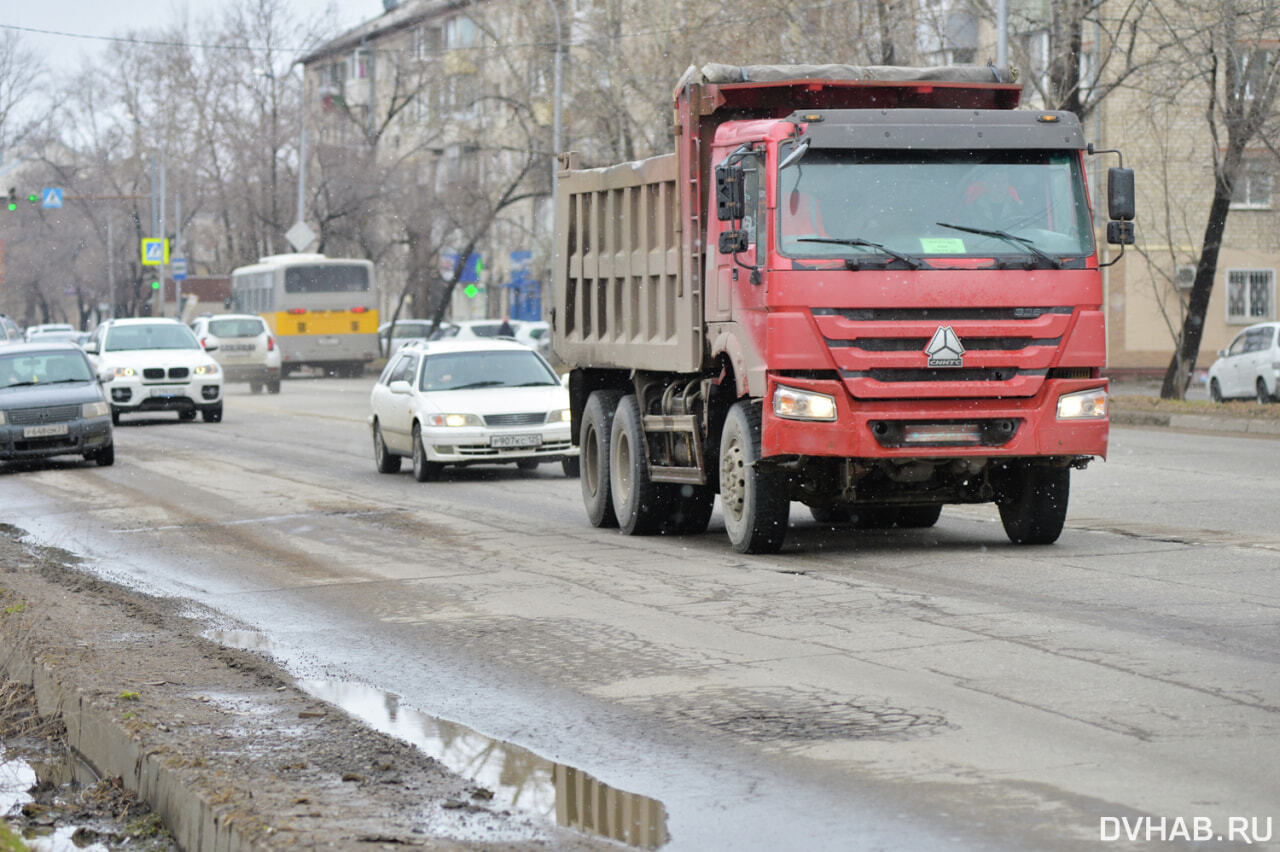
column 33, row 198
column 155, row 285
column 12, row 206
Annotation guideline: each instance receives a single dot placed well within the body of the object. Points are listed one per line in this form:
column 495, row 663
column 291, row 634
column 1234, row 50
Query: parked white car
column 466, row 402
column 156, row 365
column 244, row 347
column 1249, row 367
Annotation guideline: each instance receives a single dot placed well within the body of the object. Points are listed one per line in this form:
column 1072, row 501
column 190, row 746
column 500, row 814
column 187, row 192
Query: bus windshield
column 329, row 278
column 916, row 204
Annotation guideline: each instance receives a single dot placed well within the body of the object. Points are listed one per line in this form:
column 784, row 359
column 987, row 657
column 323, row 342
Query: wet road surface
column 898, row 689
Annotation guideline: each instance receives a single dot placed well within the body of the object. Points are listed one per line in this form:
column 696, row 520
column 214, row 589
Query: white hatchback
column 156, row 365
column 243, row 346
column 466, row 402
column 1249, row 367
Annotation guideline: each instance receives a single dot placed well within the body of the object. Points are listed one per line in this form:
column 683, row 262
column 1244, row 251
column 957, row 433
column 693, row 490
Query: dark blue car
column 51, row 404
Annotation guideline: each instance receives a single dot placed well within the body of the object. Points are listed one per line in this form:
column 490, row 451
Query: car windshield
column 240, row 327
column 855, row 203
column 43, row 368
column 485, row 369
column 150, row 336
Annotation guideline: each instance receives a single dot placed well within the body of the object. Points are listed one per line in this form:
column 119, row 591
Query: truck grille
column 881, row 352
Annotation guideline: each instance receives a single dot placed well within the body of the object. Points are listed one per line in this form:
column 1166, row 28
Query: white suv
column 244, row 348
column 156, row 365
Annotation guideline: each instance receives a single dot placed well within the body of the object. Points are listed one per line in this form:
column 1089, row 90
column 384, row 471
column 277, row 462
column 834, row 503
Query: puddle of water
column 519, row 779
column 17, row 777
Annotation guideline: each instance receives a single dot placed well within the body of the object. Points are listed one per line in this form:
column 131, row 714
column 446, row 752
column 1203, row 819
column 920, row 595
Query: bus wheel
column 756, row 503
column 593, row 459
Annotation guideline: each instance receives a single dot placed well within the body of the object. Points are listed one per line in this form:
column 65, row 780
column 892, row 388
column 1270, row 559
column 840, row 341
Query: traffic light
column 155, row 285
column 13, row 198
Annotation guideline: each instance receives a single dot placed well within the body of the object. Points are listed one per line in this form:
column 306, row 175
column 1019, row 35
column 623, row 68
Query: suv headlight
column 560, row 415
column 1083, row 405
column 454, row 420
column 206, row 370
column 796, row 404
column 94, row 409
column 124, row 372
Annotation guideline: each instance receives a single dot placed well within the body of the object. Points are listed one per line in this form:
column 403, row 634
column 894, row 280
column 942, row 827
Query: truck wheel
column 593, row 458
column 689, row 510
column 756, row 503
column 639, row 504
column 1033, row 502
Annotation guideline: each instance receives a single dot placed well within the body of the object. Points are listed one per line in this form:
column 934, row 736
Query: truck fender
column 725, row 343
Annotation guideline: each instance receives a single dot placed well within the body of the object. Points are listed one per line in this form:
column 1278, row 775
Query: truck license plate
column 516, row 441
column 45, row 431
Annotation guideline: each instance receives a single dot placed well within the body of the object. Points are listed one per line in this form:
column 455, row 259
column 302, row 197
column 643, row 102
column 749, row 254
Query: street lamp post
column 557, row 94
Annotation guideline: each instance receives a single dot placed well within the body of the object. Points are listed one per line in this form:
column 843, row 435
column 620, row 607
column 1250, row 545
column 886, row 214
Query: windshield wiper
column 1025, row 242
column 913, row 262
column 488, row 383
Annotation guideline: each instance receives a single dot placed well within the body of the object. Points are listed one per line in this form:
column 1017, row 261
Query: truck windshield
column 842, row 203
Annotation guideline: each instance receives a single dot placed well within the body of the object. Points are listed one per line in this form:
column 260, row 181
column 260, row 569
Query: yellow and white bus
column 322, row 310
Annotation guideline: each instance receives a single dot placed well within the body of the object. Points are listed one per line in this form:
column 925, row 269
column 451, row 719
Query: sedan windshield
column 913, row 204
column 152, row 336
column 44, row 368
column 480, row 369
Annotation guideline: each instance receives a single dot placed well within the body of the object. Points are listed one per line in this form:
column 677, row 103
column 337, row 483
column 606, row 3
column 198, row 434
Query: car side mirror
column 105, row 376
column 400, row 386
column 210, row 347
column 90, row 346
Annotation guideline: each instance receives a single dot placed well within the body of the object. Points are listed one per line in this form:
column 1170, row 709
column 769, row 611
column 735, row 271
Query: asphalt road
column 898, row 690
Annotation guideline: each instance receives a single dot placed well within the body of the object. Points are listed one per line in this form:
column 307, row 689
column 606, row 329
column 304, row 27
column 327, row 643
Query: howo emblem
column 944, row 349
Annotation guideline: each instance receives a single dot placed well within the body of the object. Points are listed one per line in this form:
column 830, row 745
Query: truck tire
column 1033, row 502
column 593, row 439
column 639, row 504
column 756, row 503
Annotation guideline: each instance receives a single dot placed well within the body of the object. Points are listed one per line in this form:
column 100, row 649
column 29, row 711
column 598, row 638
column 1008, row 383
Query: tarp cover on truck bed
column 717, row 73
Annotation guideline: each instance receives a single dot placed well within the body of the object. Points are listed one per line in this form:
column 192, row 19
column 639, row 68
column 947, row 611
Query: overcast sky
column 97, row 19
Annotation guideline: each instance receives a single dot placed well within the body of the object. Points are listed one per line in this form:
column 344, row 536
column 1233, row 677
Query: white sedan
column 465, row 402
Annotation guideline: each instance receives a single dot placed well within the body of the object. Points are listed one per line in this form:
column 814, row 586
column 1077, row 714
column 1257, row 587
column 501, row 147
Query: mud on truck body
column 874, row 291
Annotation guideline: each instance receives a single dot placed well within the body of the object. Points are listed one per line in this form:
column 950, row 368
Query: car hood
column 153, row 357
column 63, row 393
column 484, row 401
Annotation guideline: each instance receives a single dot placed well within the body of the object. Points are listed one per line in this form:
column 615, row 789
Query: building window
column 1253, row 66
column 1251, row 295
column 459, row 32
column 360, row 66
column 1253, row 184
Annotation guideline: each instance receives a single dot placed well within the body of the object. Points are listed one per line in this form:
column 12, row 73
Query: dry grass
column 1156, row 405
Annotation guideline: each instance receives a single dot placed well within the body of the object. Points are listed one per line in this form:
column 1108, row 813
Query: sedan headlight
column 1083, row 405
column 206, row 370
column 94, row 409
column 454, row 420
column 795, row 404
column 560, row 415
column 124, row 372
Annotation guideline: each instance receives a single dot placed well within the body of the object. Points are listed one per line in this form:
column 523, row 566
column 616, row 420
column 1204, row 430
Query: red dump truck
column 874, row 291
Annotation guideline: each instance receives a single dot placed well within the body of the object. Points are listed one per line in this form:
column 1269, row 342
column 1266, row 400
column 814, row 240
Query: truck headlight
column 1083, row 405
column 795, row 404
column 94, row 409
column 454, row 420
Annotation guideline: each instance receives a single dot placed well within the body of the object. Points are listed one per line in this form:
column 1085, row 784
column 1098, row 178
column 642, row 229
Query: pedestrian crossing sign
column 155, row 251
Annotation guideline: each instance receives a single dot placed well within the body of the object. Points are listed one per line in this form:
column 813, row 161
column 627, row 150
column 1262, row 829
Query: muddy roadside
column 217, row 742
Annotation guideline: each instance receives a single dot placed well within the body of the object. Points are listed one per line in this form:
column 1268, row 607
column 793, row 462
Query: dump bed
column 629, row 239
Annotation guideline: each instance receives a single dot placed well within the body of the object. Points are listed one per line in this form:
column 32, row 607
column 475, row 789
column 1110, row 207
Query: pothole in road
column 518, row 778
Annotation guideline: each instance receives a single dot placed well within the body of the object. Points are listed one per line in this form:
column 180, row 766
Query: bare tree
column 1229, row 62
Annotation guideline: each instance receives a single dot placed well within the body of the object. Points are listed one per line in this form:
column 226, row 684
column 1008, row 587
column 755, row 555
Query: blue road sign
column 179, row 269
column 51, row 197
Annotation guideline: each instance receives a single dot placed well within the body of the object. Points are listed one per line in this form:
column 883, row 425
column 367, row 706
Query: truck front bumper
column 1027, row 426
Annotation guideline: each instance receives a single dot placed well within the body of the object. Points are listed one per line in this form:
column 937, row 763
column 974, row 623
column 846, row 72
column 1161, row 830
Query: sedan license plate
column 44, row 431
column 515, row 441
column 237, row 347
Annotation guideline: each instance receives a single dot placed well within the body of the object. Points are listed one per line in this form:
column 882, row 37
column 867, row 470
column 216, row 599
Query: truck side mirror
column 1120, row 233
column 730, row 193
column 1120, row 200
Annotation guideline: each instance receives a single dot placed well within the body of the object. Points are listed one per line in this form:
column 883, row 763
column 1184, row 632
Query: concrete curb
column 1199, row 422
column 110, row 751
